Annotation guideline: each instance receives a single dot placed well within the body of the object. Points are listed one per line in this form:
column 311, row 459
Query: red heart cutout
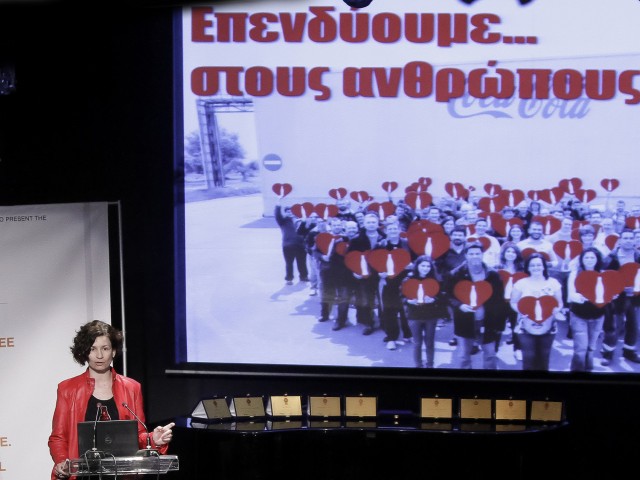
column 389, row 186
column 325, row 211
column 326, row 242
column 383, row 209
column 528, row 251
column 611, row 240
column 571, row 185
column 390, row 261
column 360, row 197
column 630, row 273
column 575, row 232
column 599, row 287
column 456, row 190
column 567, row 250
column 492, row 189
column 341, row 248
column 430, row 288
column 537, row 309
column 418, row 200
column 356, row 261
column 551, row 195
column 282, row 189
column 302, row 210
column 508, row 280
column 534, row 195
column 550, row 224
column 433, row 244
column 492, row 204
column 484, row 241
column 632, row 222
column 510, row 223
column 414, row 187
column 425, row 182
column 464, row 288
column 586, row 196
column 513, row 197
column 496, row 222
column 338, row 193
column 425, row 226
column 610, row 184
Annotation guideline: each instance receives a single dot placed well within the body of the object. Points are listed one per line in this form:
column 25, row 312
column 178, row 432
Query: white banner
column 54, row 264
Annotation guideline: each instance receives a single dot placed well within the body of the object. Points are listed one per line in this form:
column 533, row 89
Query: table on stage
column 388, row 446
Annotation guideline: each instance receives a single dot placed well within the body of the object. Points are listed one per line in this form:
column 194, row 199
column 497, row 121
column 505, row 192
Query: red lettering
column 7, row 342
column 199, row 24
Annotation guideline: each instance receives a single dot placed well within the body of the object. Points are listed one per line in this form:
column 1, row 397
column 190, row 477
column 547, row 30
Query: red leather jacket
column 71, row 407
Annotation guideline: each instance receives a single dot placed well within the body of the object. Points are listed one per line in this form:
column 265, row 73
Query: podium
column 158, row 464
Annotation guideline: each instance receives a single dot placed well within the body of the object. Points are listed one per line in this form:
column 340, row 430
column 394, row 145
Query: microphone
column 146, row 452
column 95, row 453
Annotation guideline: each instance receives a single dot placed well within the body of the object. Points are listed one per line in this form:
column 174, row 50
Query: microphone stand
column 145, row 452
column 95, row 453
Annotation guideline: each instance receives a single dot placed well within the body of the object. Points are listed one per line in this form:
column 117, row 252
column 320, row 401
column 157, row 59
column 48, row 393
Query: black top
column 109, row 410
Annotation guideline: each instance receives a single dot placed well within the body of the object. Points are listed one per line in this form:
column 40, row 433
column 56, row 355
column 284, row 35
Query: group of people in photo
column 497, row 278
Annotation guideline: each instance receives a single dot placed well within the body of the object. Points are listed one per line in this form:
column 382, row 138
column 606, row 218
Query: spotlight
column 357, row 3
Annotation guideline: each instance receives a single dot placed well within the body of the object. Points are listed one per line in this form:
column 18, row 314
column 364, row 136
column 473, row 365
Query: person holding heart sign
column 621, row 320
column 587, row 317
column 476, row 296
column 293, row 249
column 423, row 303
column 538, row 301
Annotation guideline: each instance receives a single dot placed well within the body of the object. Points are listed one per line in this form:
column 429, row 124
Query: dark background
column 92, row 120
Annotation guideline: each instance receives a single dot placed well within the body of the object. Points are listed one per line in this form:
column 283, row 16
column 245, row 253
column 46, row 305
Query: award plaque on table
column 475, row 409
column 324, row 407
column 546, row 411
column 361, row 406
column 511, row 410
column 284, row 406
column 215, row 408
column 433, row 408
column 247, row 407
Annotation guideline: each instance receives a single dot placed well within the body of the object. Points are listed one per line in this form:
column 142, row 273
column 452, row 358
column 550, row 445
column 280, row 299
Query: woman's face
column 536, row 267
column 510, row 254
column 424, row 268
column 101, row 355
column 589, row 260
column 516, row 233
column 448, row 226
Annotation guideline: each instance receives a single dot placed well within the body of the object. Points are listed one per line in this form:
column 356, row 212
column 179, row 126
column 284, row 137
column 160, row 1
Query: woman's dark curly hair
column 86, row 336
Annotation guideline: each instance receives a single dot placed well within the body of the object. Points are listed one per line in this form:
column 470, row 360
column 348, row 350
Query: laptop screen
column 114, row 437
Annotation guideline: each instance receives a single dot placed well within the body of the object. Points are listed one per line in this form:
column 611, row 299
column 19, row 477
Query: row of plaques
column 360, row 406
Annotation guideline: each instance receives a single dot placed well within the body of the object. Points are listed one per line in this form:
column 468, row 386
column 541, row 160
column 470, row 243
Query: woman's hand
column 62, row 469
column 163, row 435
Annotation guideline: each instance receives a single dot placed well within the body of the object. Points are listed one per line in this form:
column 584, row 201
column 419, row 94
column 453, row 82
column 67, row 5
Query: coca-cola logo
column 513, row 107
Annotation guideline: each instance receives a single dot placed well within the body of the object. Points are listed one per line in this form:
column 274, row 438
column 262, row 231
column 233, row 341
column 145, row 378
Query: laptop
column 113, row 437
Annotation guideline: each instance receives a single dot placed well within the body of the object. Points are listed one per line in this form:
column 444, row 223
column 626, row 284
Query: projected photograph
column 416, row 185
